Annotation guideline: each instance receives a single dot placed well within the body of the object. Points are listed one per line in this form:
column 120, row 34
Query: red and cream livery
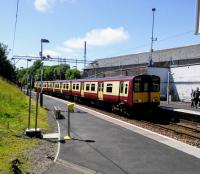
column 121, row 92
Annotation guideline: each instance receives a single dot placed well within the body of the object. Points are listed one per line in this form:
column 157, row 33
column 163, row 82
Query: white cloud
column 58, row 51
column 95, row 38
column 99, row 37
column 43, row 5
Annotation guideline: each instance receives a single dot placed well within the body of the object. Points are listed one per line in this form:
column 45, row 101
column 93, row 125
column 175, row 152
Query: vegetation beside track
column 13, row 122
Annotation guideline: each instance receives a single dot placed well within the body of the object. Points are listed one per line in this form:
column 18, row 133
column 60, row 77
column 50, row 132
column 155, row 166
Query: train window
column 74, row 86
column 102, row 87
column 99, row 88
column 155, row 87
column 121, row 87
column 109, row 87
column 146, row 88
column 64, row 86
column 67, row 86
column 126, row 89
column 137, row 87
column 92, row 87
column 87, row 87
column 77, row 86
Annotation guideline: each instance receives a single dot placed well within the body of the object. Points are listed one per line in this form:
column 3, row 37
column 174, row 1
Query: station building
column 179, row 69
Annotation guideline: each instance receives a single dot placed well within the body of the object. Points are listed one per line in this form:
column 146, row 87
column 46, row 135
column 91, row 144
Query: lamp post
column 152, row 38
column 41, row 81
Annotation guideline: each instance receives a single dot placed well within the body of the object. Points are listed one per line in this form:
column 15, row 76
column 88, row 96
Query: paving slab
column 105, row 147
column 50, row 136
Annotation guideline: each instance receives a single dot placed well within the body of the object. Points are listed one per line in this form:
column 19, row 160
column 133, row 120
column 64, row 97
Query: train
column 120, row 93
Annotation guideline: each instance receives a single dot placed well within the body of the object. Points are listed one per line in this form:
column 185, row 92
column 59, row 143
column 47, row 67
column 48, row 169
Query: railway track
column 178, row 129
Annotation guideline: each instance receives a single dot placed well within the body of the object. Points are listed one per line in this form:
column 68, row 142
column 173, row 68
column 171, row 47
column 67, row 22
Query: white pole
column 168, row 73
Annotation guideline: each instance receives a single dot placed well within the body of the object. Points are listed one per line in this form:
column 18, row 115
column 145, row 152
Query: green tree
column 22, row 76
column 6, row 68
column 72, row 74
column 60, row 71
column 57, row 72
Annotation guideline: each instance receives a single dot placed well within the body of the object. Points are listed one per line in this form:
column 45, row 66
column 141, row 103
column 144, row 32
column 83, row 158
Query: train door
column 146, row 93
column 124, row 91
column 146, row 89
column 100, row 90
column 121, row 91
column 82, row 89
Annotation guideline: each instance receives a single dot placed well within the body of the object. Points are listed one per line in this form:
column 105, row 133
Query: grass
column 13, row 122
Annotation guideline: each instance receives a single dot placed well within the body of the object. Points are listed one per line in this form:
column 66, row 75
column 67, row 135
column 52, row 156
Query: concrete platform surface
column 180, row 107
column 104, row 147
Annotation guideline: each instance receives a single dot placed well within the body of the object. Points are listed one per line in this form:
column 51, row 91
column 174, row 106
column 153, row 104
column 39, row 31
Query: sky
column 110, row 27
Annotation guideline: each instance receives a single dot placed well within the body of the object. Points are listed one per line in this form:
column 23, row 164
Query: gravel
column 42, row 155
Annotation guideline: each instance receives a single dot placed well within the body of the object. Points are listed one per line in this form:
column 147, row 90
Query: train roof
column 98, row 79
column 94, row 79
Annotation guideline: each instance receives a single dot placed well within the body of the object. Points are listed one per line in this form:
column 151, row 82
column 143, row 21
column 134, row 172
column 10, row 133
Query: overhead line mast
column 15, row 28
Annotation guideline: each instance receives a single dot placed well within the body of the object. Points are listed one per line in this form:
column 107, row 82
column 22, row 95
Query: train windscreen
column 146, row 83
column 155, row 87
column 137, row 85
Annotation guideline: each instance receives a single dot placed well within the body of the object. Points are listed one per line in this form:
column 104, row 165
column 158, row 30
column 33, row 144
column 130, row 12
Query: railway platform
column 179, row 105
column 182, row 110
column 102, row 144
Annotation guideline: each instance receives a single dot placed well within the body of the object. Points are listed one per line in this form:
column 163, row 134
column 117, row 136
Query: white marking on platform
column 58, row 149
column 50, row 136
column 191, row 150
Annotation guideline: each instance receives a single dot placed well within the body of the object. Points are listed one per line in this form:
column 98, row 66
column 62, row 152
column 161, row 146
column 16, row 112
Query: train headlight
column 155, row 100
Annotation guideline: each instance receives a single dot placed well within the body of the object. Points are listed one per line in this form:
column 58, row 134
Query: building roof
column 172, row 54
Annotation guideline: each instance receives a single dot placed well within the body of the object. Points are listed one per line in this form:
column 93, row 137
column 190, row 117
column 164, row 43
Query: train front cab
column 146, row 91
